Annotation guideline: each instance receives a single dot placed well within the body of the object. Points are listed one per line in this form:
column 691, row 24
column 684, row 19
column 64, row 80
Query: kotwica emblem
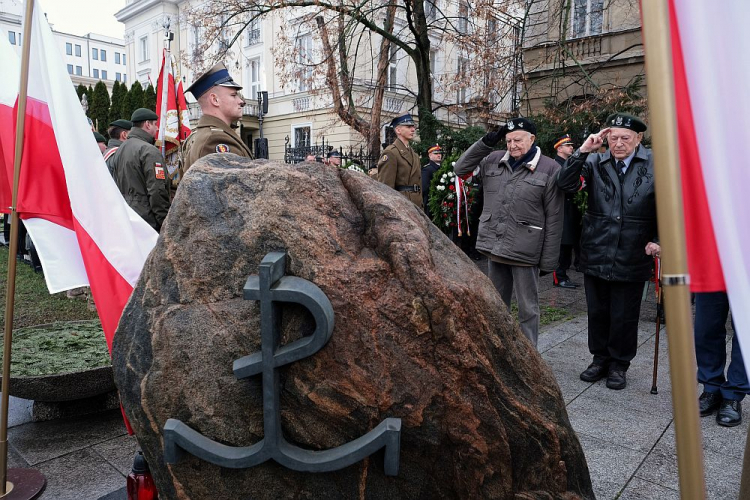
column 269, row 287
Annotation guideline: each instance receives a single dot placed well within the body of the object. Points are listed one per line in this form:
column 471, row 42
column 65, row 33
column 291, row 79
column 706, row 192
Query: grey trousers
column 524, row 280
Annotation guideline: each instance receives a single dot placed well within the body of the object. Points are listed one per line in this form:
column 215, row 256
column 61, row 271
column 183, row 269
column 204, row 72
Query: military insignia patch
column 159, row 171
column 384, row 158
column 222, row 148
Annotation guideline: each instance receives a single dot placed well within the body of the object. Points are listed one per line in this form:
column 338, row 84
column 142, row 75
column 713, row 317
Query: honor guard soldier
column 118, row 132
column 435, row 154
column 221, row 104
column 140, row 173
column 399, row 166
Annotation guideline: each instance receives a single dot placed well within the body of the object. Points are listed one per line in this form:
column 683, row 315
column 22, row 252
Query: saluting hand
column 594, row 141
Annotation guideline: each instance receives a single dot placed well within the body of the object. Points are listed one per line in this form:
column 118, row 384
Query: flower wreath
column 451, row 200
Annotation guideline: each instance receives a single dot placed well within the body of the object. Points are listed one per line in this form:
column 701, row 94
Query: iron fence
column 356, row 155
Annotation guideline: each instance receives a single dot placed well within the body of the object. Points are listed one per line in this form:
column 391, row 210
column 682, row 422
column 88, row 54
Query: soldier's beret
column 565, row 139
column 403, row 120
column 624, row 120
column 517, row 124
column 142, row 115
column 99, row 137
column 217, row 75
column 435, row 148
column 122, row 123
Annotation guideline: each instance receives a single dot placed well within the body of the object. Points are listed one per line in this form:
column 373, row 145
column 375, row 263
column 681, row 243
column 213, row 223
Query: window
column 118, row 77
column 430, row 10
column 20, row 39
column 304, row 60
column 587, row 17
column 124, row 78
column 433, row 62
column 461, row 79
column 70, row 69
column 78, row 50
column 252, row 33
column 123, row 59
column 79, row 71
column 463, row 17
column 104, row 74
column 103, row 55
column 301, row 134
column 117, row 58
column 95, row 54
column 254, row 78
column 69, row 49
column 12, row 37
column 96, row 73
column 144, row 48
column 391, row 78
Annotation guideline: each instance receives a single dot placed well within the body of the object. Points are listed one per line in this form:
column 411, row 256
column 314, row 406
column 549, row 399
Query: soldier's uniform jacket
column 109, row 157
column 212, row 135
column 620, row 219
column 523, row 208
column 399, row 168
column 141, row 176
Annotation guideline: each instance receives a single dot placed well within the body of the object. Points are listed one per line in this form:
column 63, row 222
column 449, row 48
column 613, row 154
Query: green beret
column 99, row 137
column 624, row 120
column 122, row 123
column 142, row 115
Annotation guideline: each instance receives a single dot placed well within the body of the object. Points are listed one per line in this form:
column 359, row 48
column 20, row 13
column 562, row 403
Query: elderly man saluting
column 617, row 240
column 520, row 228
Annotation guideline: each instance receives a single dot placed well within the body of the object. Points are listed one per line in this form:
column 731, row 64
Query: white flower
column 440, row 188
column 453, row 164
column 355, row 168
column 449, row 197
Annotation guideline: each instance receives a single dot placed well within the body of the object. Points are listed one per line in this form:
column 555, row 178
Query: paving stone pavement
column 627, row 435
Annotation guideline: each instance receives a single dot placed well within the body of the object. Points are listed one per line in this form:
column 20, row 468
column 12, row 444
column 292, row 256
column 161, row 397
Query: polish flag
column 174, row 121
column 84, row 231
column 711, row 62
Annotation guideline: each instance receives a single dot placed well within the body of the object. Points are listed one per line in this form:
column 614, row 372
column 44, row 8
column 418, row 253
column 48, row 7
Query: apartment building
column 268, row 51
column 89, row 58
column 573, row 47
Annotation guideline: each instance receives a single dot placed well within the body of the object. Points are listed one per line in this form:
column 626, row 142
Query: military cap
column 217, row 75
column 99, row 137
column 435, row 148
column 517, row 124
column 122, row 123
column 403, row 120
column 563, row 140
column 624, row 120
column 142, row 115
column 333, row 153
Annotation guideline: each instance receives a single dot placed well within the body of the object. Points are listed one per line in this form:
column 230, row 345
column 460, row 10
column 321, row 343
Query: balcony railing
column 301, row 103
column 194, row 111
column 250, row 109
column 253, row 37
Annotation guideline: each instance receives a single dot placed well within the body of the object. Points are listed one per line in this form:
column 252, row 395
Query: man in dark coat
column 617, row 242
column 140, row 173
column 521, row 222
column 222, row 106
column 435, row 154
column 399, row 166
column 571, row 221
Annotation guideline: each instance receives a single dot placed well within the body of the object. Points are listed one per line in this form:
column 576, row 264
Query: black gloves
column 493, row 138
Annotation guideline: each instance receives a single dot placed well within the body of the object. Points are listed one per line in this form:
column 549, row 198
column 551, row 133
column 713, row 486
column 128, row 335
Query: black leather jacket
column 620, row 219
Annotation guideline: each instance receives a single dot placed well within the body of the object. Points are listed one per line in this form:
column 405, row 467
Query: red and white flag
column 711, row 59
column 174, row 121
column 84, row 231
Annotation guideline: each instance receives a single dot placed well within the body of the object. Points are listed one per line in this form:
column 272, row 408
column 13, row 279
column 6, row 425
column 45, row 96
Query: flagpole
column 165, row 91
column 659, row 76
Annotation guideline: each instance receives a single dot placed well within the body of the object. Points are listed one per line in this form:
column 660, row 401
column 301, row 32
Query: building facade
column 572, row 48
column 89, row 58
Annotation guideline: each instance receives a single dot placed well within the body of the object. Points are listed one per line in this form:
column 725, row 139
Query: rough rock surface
column 420, row 335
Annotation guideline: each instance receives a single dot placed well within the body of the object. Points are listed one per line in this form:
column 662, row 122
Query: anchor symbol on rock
column 271, row 286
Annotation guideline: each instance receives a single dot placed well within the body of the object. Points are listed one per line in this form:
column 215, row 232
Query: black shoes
column 594, row 372
column 566, row 284
column 616, row 379
column 708, row 403
column 730, row 413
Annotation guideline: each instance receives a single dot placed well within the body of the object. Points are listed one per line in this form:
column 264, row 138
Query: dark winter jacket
column 620, row 219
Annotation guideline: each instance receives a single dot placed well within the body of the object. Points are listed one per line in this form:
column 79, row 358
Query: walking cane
column 657, row 288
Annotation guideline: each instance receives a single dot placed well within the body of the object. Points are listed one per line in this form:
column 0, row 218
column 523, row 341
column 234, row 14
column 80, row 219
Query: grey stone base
column 45, row 410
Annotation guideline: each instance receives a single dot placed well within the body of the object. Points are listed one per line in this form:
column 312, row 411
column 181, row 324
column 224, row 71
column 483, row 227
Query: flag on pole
column 84, row 231
column 8, row 97
column 711, row 69
column 174, row 121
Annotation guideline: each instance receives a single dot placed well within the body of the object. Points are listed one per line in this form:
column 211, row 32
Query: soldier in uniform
column 101, row 141
column 435, row 154
column 118, row 133
column 399, row 166
column 221, row 104
column 140, row 173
